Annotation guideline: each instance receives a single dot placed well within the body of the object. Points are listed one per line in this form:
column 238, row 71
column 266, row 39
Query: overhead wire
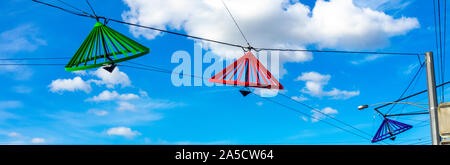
column 409, row 85
column 222, row 42
column 440, row 35
column 63, row 9
column 162, row 70
column 337, row 51
column 176, row 33
column 34, row 58
column 414, row 140
column 322, row 113
column 158, row 69
column 309, row 115
column 437, row 38
column 284, row 95
column 445, row 53
column 92, row 9
column 442, row 64
column 225, row 43
column 427, row 142
column 73, row 7
column 403, row 107
column 46, row 64
column 442, row 54
column 235, row 22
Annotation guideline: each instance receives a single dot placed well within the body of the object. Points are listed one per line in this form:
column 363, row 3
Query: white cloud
column 21, row 38
column 6, row 115
column 104, row 96
column 108, row 96
column 315, row 83
column 128, row 96
column 98, row 112
column 16, row 72
column 410, row 68
column 271, row 23
column 266, row 92
column 299, row 98
column 304, row 118
column 10, row 104
column 259, row 103
column 316, row 116
column 22, row 89
column 72, row 85
column 80, row 72
column 122, row 131
column 339, row 23
column 90, row 119
column 125, row 106
column 383, row 5
column 37, row 140
column 143, row 93
column 159, row 104
column 366, row 59
column 314, row 76
column 111, row 79
column 341, row 94
column 14, row 134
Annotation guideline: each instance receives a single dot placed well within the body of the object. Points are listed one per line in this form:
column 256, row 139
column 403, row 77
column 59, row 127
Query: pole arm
column 415, row 94
column 414, row 104
column 385, row 115
column 408, row 114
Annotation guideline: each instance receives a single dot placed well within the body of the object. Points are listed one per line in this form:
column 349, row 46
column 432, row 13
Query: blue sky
column 48, row 105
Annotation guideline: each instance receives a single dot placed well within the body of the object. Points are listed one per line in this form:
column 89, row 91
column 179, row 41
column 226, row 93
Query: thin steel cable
column 443, row 58
column 410, row 92
column 418, row 58
column 153, row 67
column 235, row 23
column 305, row 105
column 168, row 71
column 440, row 49
column 428, row 142
column 176, row 33
column 329, row 116
column 34, row 58
column 409, row 85
column 306, row 114
column 63, row 9
column 226, row 43
column 36, row 64
column 89, row 4
column 436, row 28
column 415, row 94
column 336, row 51
column 415, row 140
column 157, row 69
column 73, row 7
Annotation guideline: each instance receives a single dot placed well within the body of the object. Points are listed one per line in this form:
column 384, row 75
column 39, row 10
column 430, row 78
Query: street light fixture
column 361, row 107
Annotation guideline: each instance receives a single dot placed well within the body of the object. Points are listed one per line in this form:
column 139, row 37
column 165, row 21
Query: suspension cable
column 221, row 42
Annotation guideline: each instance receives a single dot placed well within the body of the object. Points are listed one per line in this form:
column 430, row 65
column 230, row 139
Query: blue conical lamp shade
column 390, row 128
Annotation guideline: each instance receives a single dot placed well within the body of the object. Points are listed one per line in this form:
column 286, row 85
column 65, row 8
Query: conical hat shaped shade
column 390, row 128
column 247, row 71
column 104, row 46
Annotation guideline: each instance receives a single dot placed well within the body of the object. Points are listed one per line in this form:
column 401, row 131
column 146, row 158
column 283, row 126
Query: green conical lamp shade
column 105, row 46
